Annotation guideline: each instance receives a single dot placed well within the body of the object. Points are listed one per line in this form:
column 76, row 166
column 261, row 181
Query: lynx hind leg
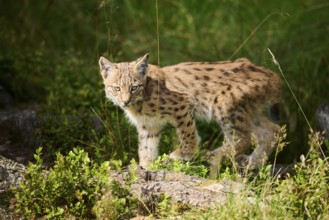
column 236, row 140
column 264, row 131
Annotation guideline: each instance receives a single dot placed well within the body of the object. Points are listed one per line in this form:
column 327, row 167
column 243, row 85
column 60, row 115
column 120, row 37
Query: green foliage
column 165, row 163
column 75, row 186
column 167, row 208
column 71, row 187
column 60, row 133
column 58, row 66
column 68, row 90
column 306, row 193
column 21, row 71
column 303, row 195
column 118, row 140
column 116, row 203
column 57, row 69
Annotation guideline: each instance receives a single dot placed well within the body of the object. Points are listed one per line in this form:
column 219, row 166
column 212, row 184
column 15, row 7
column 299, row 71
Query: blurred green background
column 49, row 54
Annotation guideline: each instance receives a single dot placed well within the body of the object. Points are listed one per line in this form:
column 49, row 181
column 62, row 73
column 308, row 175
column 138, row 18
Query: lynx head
column 124, row 82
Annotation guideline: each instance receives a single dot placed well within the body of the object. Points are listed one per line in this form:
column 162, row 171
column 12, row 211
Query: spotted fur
column 232, row 93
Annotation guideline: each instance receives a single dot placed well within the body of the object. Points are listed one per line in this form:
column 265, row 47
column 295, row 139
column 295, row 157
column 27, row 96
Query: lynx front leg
column 188, row 136
column 148, row 147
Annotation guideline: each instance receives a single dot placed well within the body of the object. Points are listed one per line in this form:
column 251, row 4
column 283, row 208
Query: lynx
column 232, row 93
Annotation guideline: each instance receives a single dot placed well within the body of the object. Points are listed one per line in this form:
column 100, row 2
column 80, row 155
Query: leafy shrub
column 71, row 187
column 306, row 194
column 61, row 132
column 116, row 203
column 76, row 84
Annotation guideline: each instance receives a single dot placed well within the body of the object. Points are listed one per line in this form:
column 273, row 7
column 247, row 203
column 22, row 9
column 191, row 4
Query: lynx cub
column 233, row 93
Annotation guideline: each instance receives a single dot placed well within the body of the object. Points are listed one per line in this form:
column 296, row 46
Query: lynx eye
column 116, row 88
column 133, row 88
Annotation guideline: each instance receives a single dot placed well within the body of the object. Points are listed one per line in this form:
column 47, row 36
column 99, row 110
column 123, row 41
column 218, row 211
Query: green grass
column 49, row 51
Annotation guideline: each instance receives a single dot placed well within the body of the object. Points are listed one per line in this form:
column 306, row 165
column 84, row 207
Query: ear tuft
column 142, row 65
column 105, row 67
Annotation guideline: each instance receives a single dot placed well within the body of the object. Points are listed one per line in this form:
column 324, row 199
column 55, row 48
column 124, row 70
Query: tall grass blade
column 292, row 92
column 253, row 33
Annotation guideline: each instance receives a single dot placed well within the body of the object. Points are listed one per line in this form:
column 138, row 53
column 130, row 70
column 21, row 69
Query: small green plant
column 165, row 163
column 167, row 207
column 306, row 194
column 116, row 203
column 70, row 188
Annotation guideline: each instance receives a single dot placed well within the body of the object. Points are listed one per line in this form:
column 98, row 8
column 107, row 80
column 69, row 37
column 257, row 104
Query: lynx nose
column 126, row 103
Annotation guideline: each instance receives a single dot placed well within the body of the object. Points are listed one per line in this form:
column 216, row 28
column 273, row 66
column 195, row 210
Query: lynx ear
column 105, row 67
column 142, row 65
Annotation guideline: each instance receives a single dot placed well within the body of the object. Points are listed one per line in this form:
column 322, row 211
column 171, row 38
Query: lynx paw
column 179, row 154
column 214, row 158
column 245, row 161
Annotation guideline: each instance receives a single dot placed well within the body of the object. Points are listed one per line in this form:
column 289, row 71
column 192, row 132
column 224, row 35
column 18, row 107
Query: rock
column 19, row 131
column 181, row 188
column 6, row 100
column 11, row 173
column 17, row 134
column 4, row 215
